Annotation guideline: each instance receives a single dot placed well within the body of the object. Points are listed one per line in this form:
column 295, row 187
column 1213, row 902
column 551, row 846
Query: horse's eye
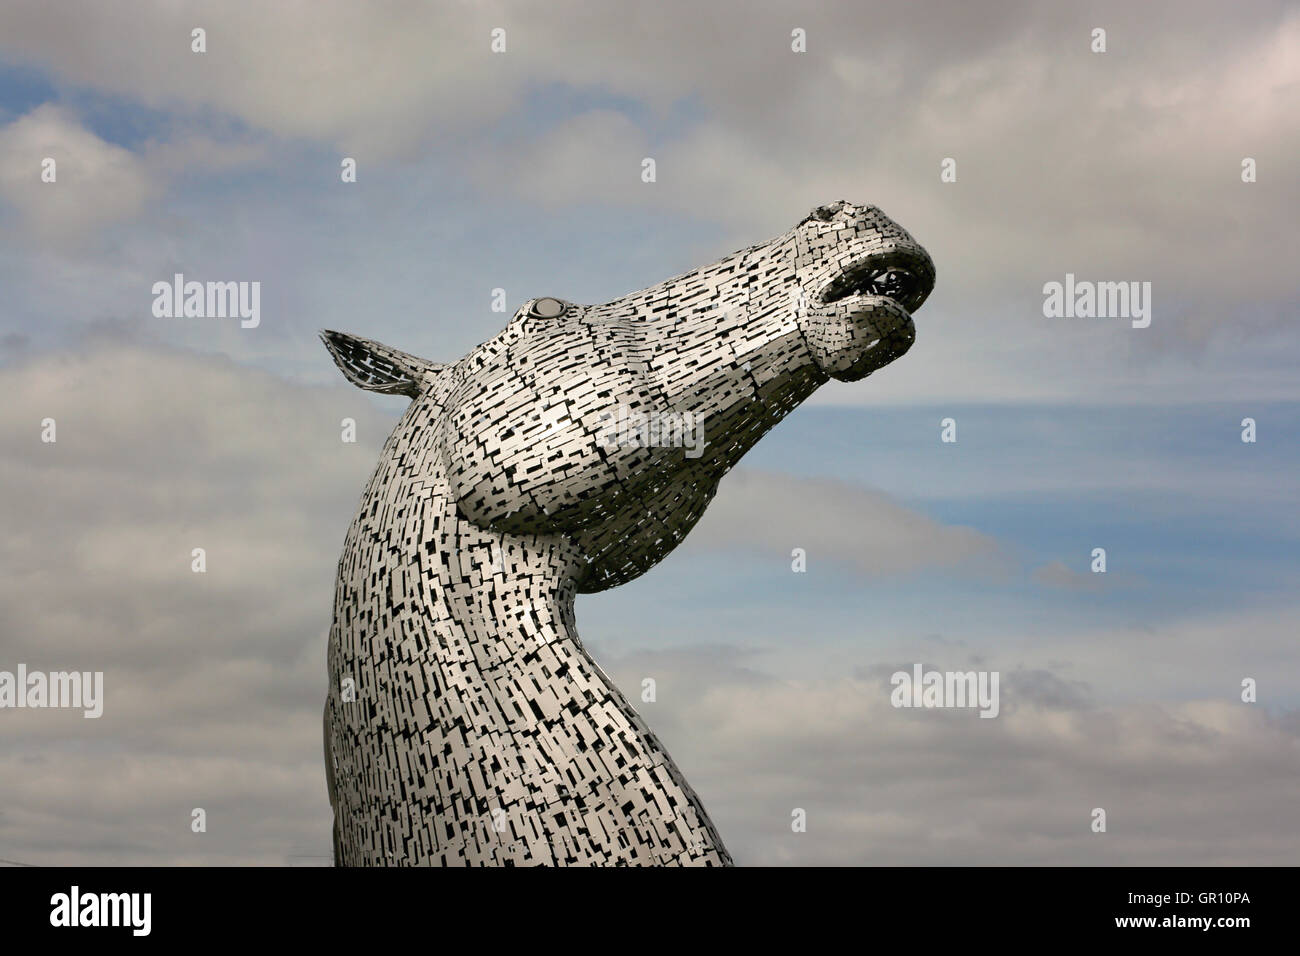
column 548, row 308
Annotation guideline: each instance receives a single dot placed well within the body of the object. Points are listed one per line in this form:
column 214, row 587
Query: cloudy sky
column 521, row 170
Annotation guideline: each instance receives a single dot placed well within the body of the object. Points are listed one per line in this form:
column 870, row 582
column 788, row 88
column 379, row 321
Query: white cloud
column 96, row 182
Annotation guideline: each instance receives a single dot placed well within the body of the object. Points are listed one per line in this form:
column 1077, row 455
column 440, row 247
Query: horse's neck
column 485, row 732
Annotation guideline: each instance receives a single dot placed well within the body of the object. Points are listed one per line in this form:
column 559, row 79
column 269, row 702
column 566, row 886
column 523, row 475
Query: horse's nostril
column 825, row 213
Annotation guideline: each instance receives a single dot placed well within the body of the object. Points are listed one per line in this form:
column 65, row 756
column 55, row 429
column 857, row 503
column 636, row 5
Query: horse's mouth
column 901, row 275
column 861, row 320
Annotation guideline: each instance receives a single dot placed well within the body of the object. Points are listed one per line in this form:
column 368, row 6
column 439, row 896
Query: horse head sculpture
column 465, row 722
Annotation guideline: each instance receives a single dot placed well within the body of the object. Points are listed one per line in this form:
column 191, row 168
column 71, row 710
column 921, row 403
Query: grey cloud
column 1068, row 161
column 907, row 787
column 840, row 522
column 214, row 682
column 883, row 94
column 1044, row 690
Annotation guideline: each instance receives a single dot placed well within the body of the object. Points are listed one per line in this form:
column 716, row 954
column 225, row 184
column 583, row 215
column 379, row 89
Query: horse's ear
column 376, row 367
